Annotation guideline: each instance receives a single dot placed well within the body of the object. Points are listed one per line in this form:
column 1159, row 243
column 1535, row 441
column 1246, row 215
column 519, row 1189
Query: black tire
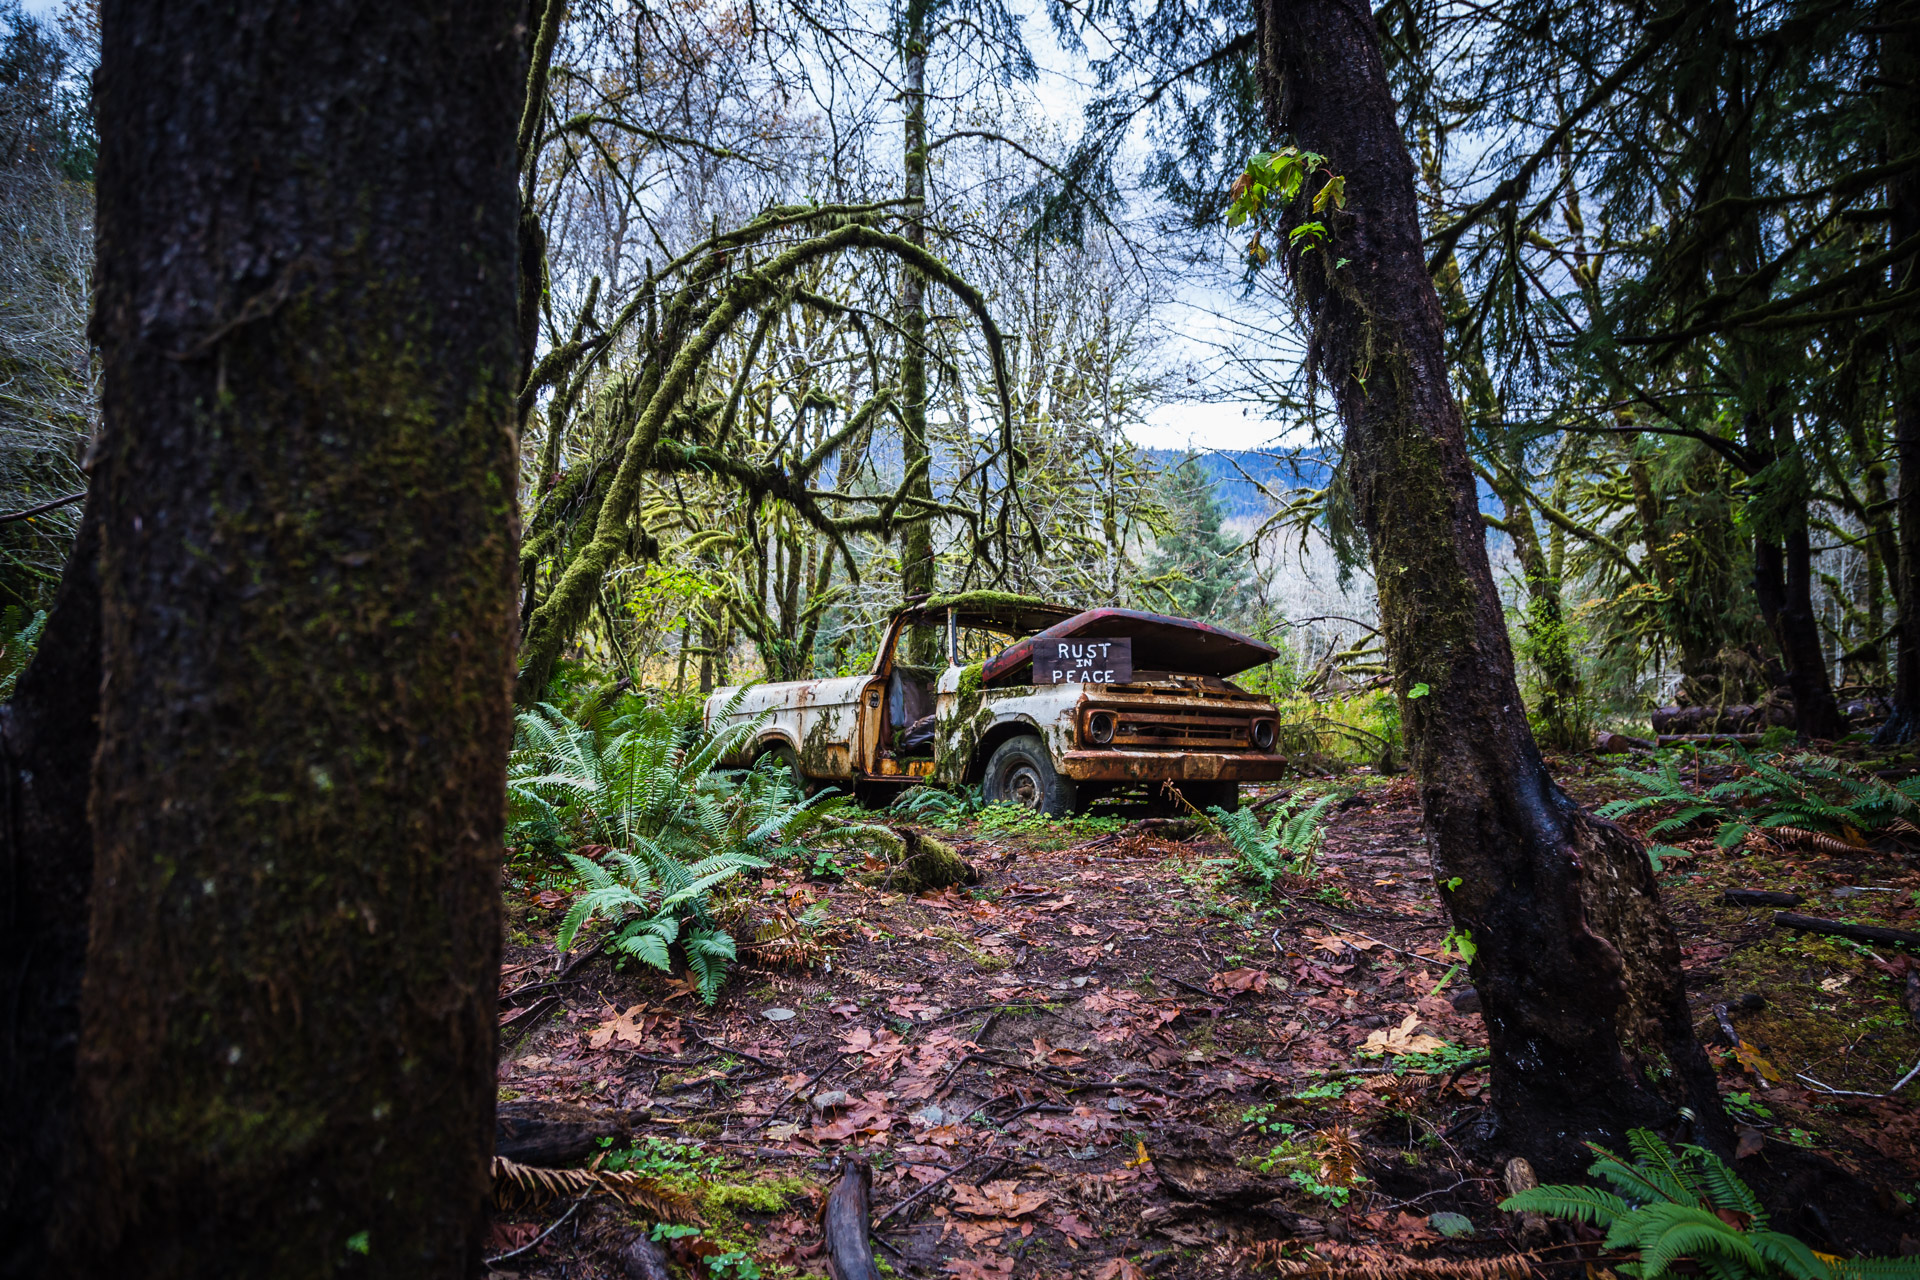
column 1210, row 795
column 1021, row 772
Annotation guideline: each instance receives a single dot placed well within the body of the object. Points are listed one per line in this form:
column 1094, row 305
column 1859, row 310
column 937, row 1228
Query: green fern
column 1663, row 789
column 1286, row 845
column 19, row 636
column 674, row 829
column 1668, row 1209
column 1806, row 791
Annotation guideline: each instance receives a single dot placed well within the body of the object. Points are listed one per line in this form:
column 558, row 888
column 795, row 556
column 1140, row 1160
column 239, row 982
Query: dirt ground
column 1107, row 1060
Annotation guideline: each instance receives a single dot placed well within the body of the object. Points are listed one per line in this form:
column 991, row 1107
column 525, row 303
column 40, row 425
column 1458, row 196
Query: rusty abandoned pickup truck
column 1080, row 706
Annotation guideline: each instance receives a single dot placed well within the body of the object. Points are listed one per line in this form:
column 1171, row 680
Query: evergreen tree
column 1198, row 571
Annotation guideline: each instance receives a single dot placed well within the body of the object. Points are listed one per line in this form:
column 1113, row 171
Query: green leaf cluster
column 1286, row 844
column 672, row 828
column 1805, row 791
column 1688, row 1206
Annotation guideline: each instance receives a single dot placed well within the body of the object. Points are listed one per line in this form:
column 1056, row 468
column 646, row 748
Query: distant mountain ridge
column 1239, row 496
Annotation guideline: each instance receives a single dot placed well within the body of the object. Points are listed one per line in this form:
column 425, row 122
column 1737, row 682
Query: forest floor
column 1107, row 1060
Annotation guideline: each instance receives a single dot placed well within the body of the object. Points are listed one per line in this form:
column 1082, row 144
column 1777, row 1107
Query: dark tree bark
column 1577, row 966
column 1900, row 74
column 1783, row 587
column 307, row 234
column 48, row 732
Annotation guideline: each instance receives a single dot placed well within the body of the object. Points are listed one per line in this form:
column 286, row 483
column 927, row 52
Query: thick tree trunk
column 1900, row 66
column 1783, row 587
column 916, row 536
column 48, row 733
column 307, row 231
column 1577, row 965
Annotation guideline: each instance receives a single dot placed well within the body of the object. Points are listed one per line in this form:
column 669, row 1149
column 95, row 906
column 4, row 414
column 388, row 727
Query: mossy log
column 916, row 862
column 550, row 1134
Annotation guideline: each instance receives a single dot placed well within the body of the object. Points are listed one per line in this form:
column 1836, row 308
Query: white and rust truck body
column 1079, row 706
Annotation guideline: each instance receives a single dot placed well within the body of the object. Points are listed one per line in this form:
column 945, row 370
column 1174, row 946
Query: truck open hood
column 1160, row 643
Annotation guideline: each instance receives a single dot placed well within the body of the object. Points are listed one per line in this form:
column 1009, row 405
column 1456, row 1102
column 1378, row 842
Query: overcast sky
column 1196, row 315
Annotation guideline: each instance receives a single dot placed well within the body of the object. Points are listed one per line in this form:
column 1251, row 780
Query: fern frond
column 1665, row 1167
column 1723, row 1187
column 1584, row 1204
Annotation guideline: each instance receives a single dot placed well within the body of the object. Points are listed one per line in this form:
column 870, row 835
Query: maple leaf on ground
column 1118, row 1269
column 1045, row 1054
column 997, row 1200
column 991, row 1269
column 1071, row 1225
column 1335, row 944
column 1237, row 980
column 1402, row 1039
column 1403, row 1227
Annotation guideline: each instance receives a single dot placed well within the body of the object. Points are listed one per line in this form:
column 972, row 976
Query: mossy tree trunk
column 306, row 314
column 1577, row 965
column 916, row 536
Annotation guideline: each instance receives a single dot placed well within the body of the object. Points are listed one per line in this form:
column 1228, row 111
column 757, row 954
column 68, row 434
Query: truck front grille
column 1137, row 729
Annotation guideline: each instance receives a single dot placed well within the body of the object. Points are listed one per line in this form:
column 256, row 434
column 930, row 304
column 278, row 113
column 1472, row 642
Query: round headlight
column 1100, row 726
column 1263, row 734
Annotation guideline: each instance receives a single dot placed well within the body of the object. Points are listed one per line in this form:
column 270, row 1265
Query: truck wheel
column 788, row 758
column 1021, row 772
column 1211, row 795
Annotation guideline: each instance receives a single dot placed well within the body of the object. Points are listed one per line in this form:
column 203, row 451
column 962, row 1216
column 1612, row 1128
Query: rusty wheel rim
column 1023, row 786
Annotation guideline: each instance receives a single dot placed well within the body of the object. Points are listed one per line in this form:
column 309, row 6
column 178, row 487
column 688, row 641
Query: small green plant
column 1460, row 944
column 1314, row 1187
column 660, row 1157
column 1690, row 1205
column 940, row 806
column 1440, row 1061
column 19, row 636
column 737, row 1265
column 1275, row 179
column 1743, row 1106
column 665, row 1231
column 1325, row 1089
column 1285, row 846
column 1261, row 1120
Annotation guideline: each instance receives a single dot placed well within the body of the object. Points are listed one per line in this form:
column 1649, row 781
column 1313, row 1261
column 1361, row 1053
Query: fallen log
column 1841, row 929
column 1708, row 740
column 1760, row 898
column 1605, row 743
column 550, row 1133
column 844, row 1224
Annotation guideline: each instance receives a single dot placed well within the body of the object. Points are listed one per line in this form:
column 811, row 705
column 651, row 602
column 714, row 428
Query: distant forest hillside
column 1237, row 494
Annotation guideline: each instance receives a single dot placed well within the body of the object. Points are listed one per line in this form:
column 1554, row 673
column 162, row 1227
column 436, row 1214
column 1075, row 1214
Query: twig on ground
column 934, row 1185
column 514, row 1253
column 634, row 1056
column 1211, row 995
column 736, row 1052
column 818, row 1076
column 1830, row 1091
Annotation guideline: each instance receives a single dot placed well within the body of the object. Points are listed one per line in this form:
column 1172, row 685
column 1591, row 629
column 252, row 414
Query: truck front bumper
column 1121, row 764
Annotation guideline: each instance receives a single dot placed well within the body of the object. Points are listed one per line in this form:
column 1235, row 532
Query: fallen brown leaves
column 1328, row 1261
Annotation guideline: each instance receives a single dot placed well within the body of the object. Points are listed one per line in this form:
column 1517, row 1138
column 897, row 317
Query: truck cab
column 1037, row 703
